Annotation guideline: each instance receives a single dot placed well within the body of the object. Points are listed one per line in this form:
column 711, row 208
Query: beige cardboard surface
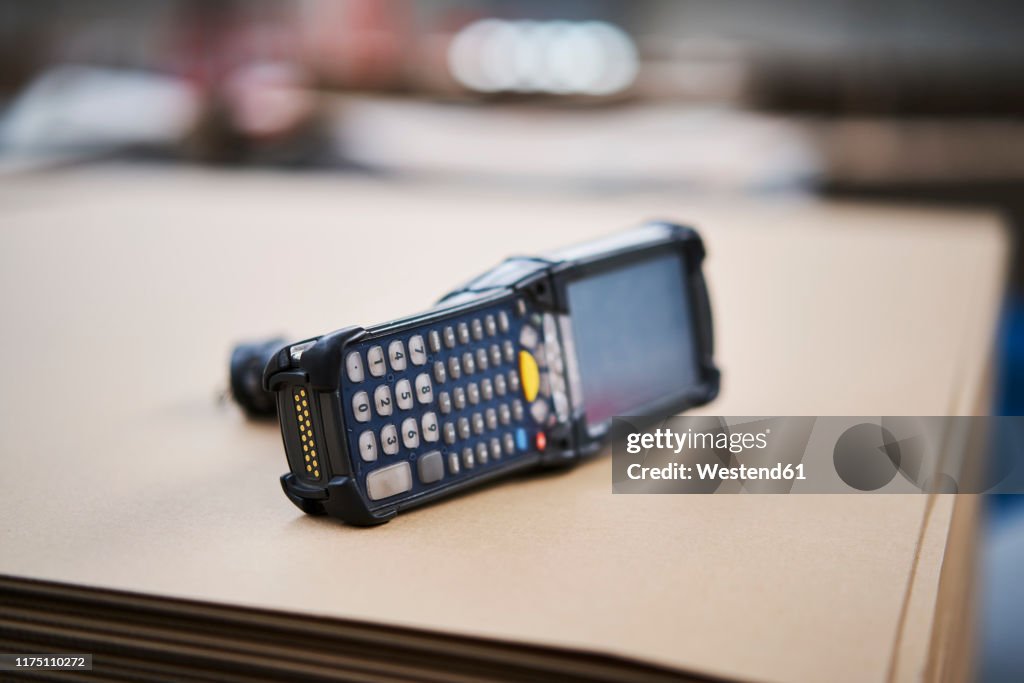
column 125, row 288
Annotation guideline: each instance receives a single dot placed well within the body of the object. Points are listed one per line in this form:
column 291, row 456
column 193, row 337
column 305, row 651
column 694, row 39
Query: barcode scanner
column 522, row 367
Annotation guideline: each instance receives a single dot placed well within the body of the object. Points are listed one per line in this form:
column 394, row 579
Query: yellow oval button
column 529, row 375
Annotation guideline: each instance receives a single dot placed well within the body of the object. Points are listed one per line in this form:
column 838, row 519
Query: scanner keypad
column 441, row 404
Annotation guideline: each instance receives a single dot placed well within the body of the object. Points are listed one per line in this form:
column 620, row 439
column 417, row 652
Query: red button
column 542, row 441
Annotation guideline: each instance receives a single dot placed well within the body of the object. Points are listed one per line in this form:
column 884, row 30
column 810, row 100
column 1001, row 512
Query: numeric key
column 403, row 394
column 410, row 433
column 417, row 352
column 382, row 399
column 361, row 406
column 424, row 389
column 396, row 355
column 375, row 359
column 389, row 439
column 429, row 425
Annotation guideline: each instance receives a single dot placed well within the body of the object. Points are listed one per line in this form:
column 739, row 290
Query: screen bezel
column 690, row 252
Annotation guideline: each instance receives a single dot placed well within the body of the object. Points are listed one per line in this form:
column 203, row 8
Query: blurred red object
column 359, row 44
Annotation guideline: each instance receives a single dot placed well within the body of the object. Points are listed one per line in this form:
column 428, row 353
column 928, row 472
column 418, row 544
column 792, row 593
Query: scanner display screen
column 633, row 335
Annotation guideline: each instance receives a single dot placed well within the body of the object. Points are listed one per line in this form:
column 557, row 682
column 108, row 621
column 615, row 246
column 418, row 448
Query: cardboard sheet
column 121, row 468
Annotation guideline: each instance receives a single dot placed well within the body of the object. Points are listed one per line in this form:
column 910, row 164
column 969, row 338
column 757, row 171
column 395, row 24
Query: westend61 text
column 716, row 472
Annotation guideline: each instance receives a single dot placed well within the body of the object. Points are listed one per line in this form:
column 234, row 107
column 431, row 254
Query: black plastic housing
column 531, row 286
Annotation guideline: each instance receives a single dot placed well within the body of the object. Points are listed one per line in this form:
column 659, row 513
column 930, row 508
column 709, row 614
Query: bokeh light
column 553, row 57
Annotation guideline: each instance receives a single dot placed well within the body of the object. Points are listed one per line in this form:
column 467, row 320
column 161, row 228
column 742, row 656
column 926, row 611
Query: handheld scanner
column 522, row 367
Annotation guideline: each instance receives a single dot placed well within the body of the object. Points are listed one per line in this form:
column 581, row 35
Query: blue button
column 521, row 441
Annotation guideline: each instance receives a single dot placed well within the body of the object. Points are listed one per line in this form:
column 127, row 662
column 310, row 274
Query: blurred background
column 881, row 99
